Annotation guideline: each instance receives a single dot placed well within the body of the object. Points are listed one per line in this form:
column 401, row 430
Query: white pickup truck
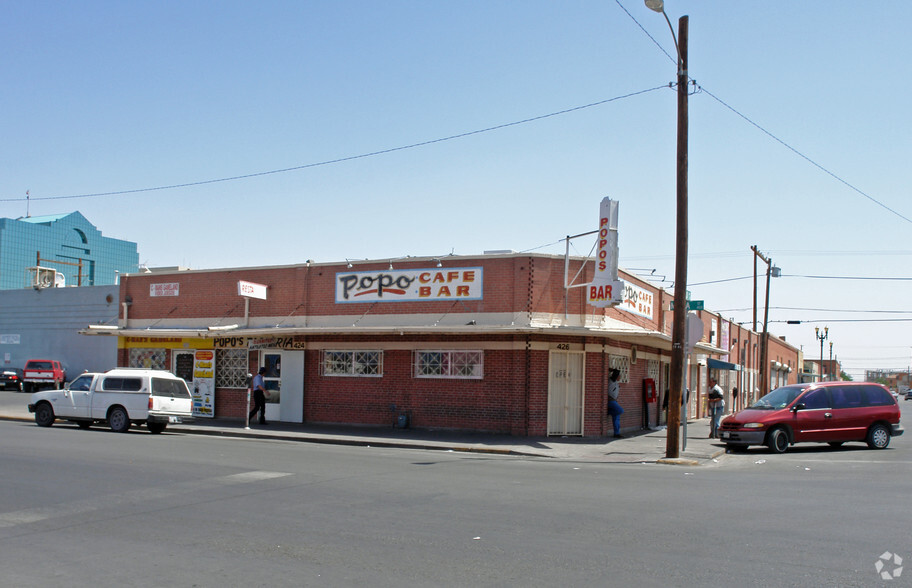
column 120, row 397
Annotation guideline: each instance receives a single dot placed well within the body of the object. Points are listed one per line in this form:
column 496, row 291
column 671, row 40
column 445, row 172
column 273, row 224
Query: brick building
column 502, row 343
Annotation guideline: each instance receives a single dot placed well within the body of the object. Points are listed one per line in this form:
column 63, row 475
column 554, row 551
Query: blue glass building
column 67, row 243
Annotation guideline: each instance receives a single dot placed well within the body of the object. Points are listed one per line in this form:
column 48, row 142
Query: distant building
column 58, row 250
column 45, row 324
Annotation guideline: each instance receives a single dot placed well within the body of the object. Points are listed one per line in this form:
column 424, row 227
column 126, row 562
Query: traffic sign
column 691, row 305
column 693, row 331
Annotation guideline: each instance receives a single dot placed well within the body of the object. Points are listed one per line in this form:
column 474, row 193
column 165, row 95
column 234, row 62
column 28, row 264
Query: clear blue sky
column 116, row 96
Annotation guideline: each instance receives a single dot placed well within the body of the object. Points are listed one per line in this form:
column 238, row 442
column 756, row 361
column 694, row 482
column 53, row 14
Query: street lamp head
column 656, row 5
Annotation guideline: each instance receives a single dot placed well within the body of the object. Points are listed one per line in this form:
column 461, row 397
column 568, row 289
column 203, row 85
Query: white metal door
column 565, row 393
column 284, row 379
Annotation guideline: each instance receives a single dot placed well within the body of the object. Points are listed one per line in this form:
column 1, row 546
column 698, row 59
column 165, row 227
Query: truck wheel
column 156, row 428
column 119, row 420
column 44, row 415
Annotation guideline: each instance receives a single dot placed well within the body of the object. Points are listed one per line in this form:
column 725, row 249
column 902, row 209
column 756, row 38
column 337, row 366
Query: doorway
column 565, row 392
column 284, row 380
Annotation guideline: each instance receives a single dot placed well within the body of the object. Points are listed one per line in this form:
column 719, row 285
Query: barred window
column 231, row 368
column 652, row 370
column 352, row 363
column 150, row 359
column 622, row 364
column 449, row 364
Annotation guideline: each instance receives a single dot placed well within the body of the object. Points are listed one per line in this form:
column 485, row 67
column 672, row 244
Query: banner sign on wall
column 412, row 285
column 204, row 383
column 605, row 288
column 637, row 300
column 167, row 289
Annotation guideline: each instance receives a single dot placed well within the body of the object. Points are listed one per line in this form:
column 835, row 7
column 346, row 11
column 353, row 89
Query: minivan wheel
column 878, row 437
column 118, row 419
column 778, row 440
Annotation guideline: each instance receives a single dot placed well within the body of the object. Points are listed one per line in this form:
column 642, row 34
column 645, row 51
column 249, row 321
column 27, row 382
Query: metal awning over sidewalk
column 718, row 364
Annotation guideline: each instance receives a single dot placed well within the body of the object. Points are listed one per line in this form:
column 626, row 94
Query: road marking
column 42, row 513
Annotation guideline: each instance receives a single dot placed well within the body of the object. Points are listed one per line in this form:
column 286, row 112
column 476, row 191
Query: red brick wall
column 511, row 398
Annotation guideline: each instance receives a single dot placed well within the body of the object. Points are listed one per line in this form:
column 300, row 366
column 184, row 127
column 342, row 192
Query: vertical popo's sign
column 605, row 288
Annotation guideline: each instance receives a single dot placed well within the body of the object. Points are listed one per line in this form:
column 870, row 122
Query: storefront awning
column 718, row 364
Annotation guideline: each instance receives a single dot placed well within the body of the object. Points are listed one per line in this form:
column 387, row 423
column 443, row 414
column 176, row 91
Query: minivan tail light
column 150, row 403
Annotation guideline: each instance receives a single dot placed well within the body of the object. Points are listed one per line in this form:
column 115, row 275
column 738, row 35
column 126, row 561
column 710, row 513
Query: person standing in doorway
column 614, row 409
column 259, row 397
column 716, row 407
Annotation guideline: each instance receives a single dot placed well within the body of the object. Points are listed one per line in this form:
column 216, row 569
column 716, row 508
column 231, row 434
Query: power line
column 766, row 132
column 344, row 159
column 902, row 279
column 827, row 321
column 773, row 253
column 888, row 278
column 806, row 158
column 819, row 310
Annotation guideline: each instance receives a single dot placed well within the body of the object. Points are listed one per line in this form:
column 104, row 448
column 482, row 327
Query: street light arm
column 681, row 71
column 659, row 6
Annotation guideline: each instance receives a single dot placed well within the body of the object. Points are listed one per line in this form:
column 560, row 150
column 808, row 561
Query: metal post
column 764, row 343
column 826, row 331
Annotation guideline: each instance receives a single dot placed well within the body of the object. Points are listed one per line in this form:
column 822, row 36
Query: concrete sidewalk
column 644, row 446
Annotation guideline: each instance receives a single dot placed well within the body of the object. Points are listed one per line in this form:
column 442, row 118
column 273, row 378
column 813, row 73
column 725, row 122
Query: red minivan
column 824, row 412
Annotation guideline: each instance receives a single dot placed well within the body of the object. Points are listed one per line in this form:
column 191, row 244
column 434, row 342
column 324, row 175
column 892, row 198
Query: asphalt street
column 95, row 508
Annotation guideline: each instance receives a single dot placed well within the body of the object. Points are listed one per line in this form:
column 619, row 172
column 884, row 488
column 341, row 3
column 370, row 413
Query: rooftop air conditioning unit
column 42, row 277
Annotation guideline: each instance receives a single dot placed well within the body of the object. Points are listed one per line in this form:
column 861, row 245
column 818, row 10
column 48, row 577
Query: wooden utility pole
column 764, row 337
column 679, row 321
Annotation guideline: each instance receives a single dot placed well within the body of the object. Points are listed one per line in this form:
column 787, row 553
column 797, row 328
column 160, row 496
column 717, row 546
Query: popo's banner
column 605, row 288
column 411, row 285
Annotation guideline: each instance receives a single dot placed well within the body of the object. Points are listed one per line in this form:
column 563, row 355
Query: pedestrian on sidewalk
column 716, row 407
column 614, row 409
column 259, row 397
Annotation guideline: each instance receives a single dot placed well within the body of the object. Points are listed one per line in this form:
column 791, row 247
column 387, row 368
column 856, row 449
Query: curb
column 393, row 444
column 678, row 461
column 351, row 442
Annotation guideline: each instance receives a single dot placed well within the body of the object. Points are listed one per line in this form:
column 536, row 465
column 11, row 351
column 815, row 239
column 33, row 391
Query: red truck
column 43, row 373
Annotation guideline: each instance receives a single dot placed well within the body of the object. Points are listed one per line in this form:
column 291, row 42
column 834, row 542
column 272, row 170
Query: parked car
column 909, row 395
column 825, row 412
column 119, row 397
column 43, row 373
column 11, row 379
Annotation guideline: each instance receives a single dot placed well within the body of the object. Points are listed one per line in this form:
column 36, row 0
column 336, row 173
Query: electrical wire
column 828, row 321
column 700, row 88
column 806, row 158
column 819, row 310
column 342, row 159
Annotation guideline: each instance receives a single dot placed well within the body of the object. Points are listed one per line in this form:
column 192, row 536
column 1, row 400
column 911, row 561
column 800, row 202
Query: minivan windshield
column 779, row 398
